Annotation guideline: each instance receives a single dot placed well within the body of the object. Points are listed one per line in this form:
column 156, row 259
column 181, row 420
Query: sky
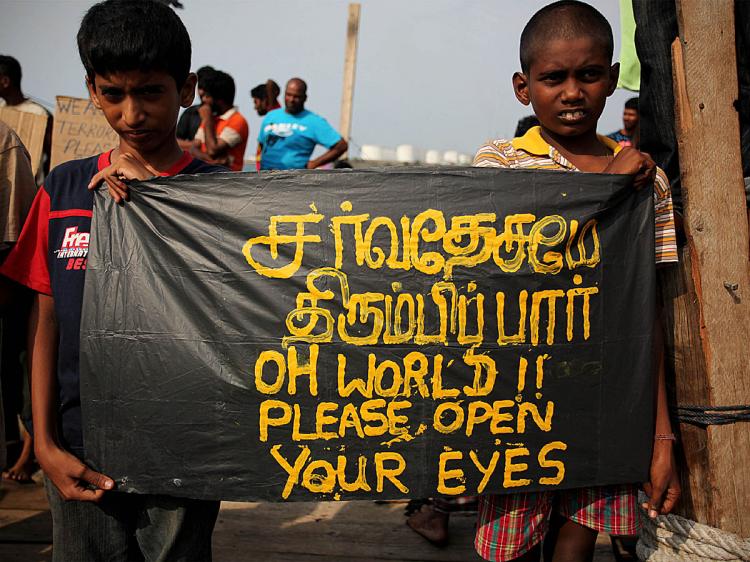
column 435, row 74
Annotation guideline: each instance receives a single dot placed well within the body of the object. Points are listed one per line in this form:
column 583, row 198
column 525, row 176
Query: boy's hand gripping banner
column 370, row 334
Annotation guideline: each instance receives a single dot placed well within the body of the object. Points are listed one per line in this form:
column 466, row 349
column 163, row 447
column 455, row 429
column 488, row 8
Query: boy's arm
column 630, row 161
column 124, row 166
column 215, row 147
column 73, row 479
column 663, row 487
column 493, row 155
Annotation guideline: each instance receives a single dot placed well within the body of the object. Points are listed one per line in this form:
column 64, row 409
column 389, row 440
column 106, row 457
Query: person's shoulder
column 312, row 116
column 275, row 114
column 30, row 106
column 320, row 124
column 9, row 139
column 72, row 174
column 197, row 166
column 498, row 153
column 81, row 164
column 661, row 185
column 237, row 119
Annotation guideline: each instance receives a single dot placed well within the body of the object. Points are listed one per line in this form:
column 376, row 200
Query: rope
column 712, row 415
column 671, row 538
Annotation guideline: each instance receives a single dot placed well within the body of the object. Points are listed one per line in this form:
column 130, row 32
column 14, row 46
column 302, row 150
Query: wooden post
column 350, row 65
column 710, row 303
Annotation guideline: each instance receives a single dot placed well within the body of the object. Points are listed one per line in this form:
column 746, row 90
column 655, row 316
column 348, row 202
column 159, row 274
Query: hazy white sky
column 431, row 73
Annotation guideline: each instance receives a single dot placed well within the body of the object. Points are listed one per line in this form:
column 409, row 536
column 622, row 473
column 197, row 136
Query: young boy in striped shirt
column 566, row 76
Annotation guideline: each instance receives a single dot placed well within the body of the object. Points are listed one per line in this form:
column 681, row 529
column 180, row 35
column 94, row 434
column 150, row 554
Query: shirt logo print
column 284, row 129
column 74, row 248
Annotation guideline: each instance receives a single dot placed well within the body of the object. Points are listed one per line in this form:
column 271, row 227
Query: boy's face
column 142, row 107
column 567, row 84
column 217, row 108
column 4, row 85
column 630, row 119
column 261, row 106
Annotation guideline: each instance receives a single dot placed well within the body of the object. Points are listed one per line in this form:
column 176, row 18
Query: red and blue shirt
column 50, row 258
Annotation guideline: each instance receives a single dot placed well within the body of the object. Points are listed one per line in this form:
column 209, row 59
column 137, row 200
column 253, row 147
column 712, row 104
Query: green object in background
column 630, row 66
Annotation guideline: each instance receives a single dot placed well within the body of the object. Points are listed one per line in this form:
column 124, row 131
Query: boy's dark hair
column 11, row 68
column 203, row 72
column 273, row 88
column 632, row 103
column 524, row 124
column 264, row 91
column 220, row 86
column 566, row 19
column 121, row 35
column 259, row 92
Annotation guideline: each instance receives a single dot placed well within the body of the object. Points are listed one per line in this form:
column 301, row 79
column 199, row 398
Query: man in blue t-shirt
column 288, row 136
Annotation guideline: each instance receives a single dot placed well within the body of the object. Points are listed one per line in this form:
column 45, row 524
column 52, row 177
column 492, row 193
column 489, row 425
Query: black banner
column 370, row 334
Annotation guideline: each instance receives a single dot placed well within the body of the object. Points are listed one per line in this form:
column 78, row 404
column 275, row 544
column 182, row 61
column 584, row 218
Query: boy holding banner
column 137, row 59
column 566, row 76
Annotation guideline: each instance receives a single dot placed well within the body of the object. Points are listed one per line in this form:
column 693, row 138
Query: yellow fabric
column 533, row 143
column 531, row 151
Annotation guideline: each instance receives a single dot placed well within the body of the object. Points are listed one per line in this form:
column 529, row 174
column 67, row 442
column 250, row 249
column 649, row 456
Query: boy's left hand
column 632, row 162
column 663, row 488
column 205, row 112
column 125, row 167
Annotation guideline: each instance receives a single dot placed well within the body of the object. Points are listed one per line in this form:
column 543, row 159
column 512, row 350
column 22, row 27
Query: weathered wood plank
column 25, row 552
column 22, row 496
column 341, row 531
column 25, row 526
column 687, row 367
column 717, row 230
column 350, row 66
column 347, row 530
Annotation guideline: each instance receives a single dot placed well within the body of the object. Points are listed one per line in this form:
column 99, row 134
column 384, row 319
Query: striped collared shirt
column 532, row 151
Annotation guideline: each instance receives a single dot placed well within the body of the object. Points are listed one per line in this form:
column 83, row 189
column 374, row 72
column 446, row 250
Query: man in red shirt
column 223, row 133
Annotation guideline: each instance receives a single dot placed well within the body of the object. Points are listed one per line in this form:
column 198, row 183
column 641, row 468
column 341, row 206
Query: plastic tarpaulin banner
column 370, row 334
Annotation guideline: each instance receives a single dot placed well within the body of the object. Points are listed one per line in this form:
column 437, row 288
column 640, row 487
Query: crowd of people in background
column 628, row 135
column 216, row 132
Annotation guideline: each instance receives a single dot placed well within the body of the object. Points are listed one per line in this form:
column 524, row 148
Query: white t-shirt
column 27, row 106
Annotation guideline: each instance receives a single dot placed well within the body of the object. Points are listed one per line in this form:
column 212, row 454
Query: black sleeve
column 188, row 124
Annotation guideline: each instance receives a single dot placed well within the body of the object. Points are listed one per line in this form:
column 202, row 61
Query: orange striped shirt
column 232, row 128
column 532, row 151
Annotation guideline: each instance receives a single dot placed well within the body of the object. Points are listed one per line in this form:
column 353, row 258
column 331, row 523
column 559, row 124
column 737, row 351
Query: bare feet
column 431, row 524
column 23, row 469
column 21, row 474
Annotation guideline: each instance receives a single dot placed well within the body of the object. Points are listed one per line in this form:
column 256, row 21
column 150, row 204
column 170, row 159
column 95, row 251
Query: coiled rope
column 703, row 416
column 671, row 538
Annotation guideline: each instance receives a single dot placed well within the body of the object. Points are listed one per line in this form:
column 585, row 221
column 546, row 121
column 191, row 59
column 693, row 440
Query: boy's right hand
column 632, row 162
column 73, row 479
column 124, row 167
